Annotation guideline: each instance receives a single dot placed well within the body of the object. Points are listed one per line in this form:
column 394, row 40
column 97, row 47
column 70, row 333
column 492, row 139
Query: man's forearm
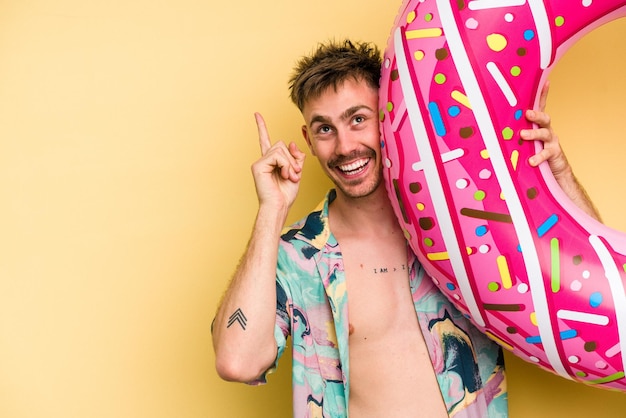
column 243, row 330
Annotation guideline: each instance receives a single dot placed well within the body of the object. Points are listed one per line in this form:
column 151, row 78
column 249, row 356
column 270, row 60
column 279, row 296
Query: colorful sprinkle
column 471, row 23
column 496, row 42
column 547, row 225
column 576, row 285
column 481, row 231
column 514, row 160
column 466, row 132
column 426, row 223
column 490, row 216
column 462, row 184
column 480, row 195
column 507, row 133
column 423, row 33
column 529, row 34
column 461, row 98
column 555, row 260
column 484, row 174
column 435, row 116
column 504, row 307
column 505, row 274
column 595, row 299
column 454, row 111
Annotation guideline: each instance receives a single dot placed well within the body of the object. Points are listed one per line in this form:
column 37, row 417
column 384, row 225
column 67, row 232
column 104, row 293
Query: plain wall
column 126, row 200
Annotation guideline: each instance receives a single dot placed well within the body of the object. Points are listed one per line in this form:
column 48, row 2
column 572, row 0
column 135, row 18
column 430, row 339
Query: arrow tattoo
column 238, row 316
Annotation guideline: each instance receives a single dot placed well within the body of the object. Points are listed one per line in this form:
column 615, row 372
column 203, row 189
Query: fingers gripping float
column 498, row 235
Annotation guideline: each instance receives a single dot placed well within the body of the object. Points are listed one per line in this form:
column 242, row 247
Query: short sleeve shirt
column 312, row 308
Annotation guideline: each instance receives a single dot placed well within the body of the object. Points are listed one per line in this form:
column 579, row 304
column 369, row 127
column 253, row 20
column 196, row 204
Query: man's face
column 342, row 132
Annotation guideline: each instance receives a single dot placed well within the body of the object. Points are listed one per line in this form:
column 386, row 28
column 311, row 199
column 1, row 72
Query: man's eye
column 324, row 129
column 359, row 119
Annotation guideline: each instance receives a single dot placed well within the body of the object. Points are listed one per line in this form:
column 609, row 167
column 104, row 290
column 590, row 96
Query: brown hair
column 330, row 65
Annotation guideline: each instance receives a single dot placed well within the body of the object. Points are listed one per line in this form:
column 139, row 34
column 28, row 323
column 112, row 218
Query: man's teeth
column 353, row 167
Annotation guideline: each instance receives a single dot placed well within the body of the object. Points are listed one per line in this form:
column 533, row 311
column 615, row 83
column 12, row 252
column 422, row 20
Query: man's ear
column 305, row 134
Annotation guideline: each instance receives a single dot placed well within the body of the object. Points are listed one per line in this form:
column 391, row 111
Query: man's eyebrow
column 347, row 114
column 319, row 119
column 352, row 110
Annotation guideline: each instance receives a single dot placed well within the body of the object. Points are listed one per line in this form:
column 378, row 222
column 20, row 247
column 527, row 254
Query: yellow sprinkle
column 499, row 341
column 419, row 55
column 443, row 255
column 484, row 154
column 496, row 42
column 423, row 33
column 533, row 318
column 438, row 256
column 505, row 274
column 410, row 17
column 420, row 206
column 514, row 159
column 461, row 98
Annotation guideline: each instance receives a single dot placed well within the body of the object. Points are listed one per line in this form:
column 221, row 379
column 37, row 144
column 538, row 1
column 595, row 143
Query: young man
column 398, row 348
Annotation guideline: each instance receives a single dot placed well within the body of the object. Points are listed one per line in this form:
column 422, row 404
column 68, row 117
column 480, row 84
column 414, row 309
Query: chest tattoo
column 386, row 270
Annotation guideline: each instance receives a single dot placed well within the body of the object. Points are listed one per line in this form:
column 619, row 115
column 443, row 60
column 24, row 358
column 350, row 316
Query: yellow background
column 126, row 138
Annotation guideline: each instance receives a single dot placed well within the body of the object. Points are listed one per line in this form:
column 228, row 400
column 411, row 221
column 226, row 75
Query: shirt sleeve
column 282, row 327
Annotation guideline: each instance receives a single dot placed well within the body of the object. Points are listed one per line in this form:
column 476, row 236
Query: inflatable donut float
column 499, row 237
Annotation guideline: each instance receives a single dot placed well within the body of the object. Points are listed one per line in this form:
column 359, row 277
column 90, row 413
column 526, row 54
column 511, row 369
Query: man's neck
column 372, row 213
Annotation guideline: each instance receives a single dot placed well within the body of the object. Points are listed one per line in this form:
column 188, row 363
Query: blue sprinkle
column 454, row 111
column 595, row 299
column 547, row 225
column 518, row 114
column 529, row 34
column 533, row 339
column 566, row 335
column 451, row 286
column 435, row 115
column 481, row 230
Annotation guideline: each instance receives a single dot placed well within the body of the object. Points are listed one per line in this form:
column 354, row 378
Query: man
column 398, row 348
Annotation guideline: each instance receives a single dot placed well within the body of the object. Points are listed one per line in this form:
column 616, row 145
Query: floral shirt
column 312, row 307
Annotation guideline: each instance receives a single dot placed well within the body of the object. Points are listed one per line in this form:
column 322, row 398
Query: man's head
column 330, row 65
column 336, row 89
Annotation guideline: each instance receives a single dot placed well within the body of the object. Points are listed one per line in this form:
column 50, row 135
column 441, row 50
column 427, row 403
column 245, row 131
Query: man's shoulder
column 312, row 228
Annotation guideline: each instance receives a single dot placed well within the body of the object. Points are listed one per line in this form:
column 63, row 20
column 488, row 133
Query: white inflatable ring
column 498, row 236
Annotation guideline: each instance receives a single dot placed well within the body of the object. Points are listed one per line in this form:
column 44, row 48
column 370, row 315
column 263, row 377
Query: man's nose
column 346, row 142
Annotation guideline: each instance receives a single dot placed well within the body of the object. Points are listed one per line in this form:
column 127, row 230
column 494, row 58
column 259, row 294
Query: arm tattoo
column 239, row 317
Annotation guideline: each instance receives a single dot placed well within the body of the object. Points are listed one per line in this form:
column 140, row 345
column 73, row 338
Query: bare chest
column 379, row 294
